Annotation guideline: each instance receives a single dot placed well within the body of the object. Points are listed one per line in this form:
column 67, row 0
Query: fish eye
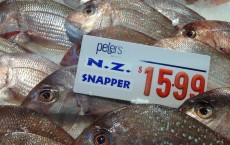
column 101, row 139
column 190, row 33
column 90, row 9
column 221, row 49
column 46, row 96
column 204, row 110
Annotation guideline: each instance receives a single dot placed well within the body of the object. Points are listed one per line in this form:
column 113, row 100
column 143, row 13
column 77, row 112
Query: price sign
column 139, row 73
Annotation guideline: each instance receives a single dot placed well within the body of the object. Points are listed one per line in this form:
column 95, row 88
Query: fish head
column 210, row 108
column 200, row 30
column 94, row 136
column 91, row 15
column 54, row 95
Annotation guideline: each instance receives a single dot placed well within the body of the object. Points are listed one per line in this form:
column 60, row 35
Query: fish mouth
column 73, row 31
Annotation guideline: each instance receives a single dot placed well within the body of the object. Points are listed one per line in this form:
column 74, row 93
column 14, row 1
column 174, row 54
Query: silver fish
column 9, row 47
column 41, row 16
column 219, row 72
column 98, row 14
column 54, row 96
column 19, row 73
column 148, row 125
column 179, row 14
column 40, row 46
column 20, row 119
column 212, row 109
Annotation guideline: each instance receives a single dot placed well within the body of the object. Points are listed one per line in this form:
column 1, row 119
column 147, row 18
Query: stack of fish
column 40, row 43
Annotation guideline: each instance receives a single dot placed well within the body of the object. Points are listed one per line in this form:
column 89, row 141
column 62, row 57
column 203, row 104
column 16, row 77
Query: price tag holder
column 139, row 73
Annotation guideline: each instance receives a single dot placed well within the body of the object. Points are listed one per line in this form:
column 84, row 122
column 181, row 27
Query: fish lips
column 73, row 32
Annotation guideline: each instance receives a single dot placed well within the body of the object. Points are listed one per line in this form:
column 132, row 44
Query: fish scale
column 145, row 9
column 219, row 72
column 24, row 138
column 46, row 18
column 176, row 12
column 20, row 73
column 105, row 14
column 18, row 119
column 216, row 103
column 211, row 32
column 9, row 47
column 149, row 124
column 70, row 110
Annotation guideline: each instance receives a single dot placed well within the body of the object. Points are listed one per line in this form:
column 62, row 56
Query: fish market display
column 212, row 109
column 99, row 14
column 213, row 33
column 18, row 119
column 19, row 73
column 46, row 18
column 179, row 14
column 148, row 124
column 9, row 47
column 219, row 72
column 41, row 46
column 54, row 96
column 24, row 138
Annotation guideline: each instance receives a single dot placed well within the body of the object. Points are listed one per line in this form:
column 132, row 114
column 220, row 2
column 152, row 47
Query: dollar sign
column 140, row 69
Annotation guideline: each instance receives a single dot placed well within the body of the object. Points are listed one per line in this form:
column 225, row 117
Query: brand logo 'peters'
column 109, row 48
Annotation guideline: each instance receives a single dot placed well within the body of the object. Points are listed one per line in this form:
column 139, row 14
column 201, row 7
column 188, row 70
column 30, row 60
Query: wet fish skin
column 19, row 73
column 40, row 46
column 9, row 47
column 46, row 18
column 219, row 71
column 95, row 15
column 179, row 14
column 211, row 32
column 54, row 97
column 26, row 139
column 20, row 119
column 148, row 124
column 212, row 109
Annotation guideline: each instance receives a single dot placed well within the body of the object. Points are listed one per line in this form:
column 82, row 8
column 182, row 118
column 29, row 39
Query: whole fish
column 179, row 14
column 19, row 73
column 219, row 71
column 148, row 125
column 114, row 32
column 24, row 138
column 213, row 33
column 43, row 47
column 41, row 16
column 212, row 109
column 9, row 47
column 54, row 96
column 20, row 119
column 98, row 14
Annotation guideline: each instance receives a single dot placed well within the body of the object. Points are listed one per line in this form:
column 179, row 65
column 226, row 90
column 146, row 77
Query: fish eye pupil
column 88, row 11
column 101, row 139
column 204, row 111
column 46, row 95
column 191, row 34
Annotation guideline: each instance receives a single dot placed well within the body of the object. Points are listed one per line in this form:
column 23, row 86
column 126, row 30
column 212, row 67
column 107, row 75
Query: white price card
column 139, row 73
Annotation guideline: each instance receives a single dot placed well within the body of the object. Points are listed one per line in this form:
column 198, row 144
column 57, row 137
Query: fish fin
column 72, row 56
